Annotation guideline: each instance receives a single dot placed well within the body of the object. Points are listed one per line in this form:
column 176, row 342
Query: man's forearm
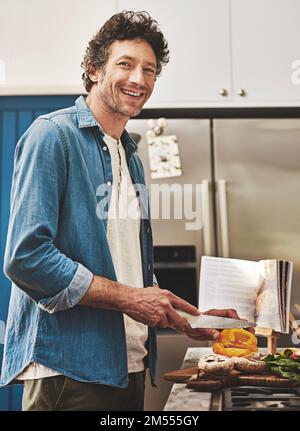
column 150, row 306
column 107, row 294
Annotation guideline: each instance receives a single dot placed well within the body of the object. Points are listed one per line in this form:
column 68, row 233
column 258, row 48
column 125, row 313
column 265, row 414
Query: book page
column 273, row 301
column 268, row 306
column 288, row 288
column 229, row 283
column 286, row 269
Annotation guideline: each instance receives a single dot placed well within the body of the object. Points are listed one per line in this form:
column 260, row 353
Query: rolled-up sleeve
column 70, row 296
column 32, row 261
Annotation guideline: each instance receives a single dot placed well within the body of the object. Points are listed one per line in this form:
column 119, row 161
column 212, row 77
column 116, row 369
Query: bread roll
column 216, row 364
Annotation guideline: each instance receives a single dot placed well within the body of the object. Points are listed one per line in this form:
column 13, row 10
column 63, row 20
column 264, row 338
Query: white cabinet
column 197, row 32
column 248, row 49
column 265, row 43
column 222, row 52
column 43, row 43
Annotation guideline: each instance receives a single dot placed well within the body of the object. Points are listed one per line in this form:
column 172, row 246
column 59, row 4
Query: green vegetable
column 284, row 366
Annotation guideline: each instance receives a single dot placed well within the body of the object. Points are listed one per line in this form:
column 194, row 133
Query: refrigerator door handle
column 223, row 218
column 207, row 219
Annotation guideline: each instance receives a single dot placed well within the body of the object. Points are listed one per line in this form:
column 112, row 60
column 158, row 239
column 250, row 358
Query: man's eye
column 150, row 71
column 124, row 64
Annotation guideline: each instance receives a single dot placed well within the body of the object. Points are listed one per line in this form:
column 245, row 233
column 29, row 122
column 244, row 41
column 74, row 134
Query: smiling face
column 128, row 77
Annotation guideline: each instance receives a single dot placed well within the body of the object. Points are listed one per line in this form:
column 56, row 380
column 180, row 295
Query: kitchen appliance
column 176, row 270
column 252, row 398
column 250, row 174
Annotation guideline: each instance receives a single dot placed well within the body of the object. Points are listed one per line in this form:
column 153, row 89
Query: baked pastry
column 252, row 364
column 216, row 364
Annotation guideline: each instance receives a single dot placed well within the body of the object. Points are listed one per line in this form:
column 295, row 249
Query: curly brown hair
column 125, row 25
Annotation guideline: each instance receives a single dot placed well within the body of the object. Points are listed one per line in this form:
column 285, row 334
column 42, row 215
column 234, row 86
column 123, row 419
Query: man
column 81, row 327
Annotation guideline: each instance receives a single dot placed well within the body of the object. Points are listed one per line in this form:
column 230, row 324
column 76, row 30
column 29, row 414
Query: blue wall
column 16, row 114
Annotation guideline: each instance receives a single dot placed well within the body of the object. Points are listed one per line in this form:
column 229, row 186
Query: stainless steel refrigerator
column 257, row 174
column 250, row 172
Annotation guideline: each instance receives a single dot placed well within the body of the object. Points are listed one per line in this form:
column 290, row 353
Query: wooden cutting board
column 236, row 378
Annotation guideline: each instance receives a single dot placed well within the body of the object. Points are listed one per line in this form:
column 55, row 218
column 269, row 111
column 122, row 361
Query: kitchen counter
column 183, row 399
column 171, row 348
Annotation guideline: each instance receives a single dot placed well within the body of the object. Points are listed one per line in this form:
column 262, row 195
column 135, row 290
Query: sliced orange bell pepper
column 230, row 351
column 237, row 337
column 235, row 342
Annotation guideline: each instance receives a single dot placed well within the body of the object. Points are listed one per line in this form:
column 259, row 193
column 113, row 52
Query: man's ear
column 94, row 75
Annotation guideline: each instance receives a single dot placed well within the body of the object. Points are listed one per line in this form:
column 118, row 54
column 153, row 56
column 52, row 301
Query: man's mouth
column 132, row 93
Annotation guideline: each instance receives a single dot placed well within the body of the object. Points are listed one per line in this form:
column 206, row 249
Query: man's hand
column 151, row 306
column 154, row 306
column 210, row 334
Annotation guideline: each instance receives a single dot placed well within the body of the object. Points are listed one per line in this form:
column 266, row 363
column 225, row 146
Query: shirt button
column 109, row 183
column 104, row 148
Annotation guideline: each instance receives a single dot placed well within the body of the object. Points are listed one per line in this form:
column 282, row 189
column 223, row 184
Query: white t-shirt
column 123, row 228
column 123, row 234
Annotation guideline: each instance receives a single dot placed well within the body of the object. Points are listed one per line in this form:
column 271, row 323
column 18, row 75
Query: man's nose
column 137, row 76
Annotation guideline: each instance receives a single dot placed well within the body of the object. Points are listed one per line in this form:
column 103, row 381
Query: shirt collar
column 86, row 119
column 84, row 115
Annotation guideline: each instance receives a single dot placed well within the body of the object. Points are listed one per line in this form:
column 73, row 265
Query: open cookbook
column 259, row 291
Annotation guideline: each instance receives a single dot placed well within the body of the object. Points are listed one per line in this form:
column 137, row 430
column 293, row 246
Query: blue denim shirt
column 57, row 241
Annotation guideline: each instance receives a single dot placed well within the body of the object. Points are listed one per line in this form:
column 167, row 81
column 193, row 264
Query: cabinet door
column 265, row 43
column 43, row 43
column 198, row 35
